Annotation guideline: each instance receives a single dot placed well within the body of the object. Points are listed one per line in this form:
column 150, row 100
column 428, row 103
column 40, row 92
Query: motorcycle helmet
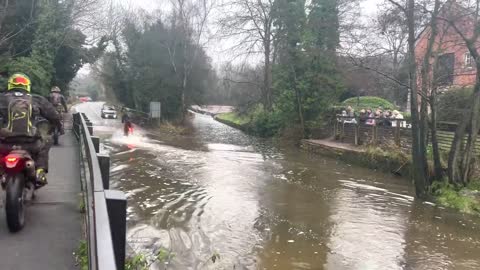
column 19, row 81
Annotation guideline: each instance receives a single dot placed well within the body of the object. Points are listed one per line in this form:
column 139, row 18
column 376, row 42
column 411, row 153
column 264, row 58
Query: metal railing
column 105, row 210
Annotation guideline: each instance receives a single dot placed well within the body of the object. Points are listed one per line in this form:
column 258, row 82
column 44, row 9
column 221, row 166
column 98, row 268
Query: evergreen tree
column 45, row 45
column 306, row 79
column 142, row 70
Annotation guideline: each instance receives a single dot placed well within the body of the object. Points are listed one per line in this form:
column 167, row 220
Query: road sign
column 155, row 109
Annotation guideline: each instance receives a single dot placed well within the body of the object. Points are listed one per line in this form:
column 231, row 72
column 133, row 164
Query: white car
column 109, row 111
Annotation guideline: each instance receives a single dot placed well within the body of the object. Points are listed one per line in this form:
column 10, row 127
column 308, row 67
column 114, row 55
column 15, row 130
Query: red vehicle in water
column 84, row 99
column 127, row 128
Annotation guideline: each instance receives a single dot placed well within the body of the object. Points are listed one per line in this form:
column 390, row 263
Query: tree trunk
column 459, row 167
column 423, row 133
column 472, row 138
column 459, row 160
column 299, row 102
column 267, row 80
column 456, row 151
column 186, row 70
column 419, row 172
column 183, row 89
column 427, row 88
column 437, row 164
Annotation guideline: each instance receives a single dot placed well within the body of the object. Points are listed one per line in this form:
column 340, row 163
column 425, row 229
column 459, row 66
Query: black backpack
column 55, row 99
column 20, row 114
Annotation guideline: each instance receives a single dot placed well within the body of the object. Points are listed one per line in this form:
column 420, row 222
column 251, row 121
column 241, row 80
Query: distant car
column 108, row 111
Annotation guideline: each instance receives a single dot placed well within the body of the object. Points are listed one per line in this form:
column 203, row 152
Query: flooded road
column 220, row 199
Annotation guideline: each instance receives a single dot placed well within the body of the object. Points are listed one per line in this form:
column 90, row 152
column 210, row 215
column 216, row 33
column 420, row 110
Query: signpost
column 155, row 110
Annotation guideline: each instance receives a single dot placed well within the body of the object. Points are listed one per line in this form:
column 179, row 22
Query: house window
column 445, row 71
column 468, row 60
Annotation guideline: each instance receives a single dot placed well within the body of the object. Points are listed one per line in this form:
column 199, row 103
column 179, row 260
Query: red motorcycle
column 127, row 128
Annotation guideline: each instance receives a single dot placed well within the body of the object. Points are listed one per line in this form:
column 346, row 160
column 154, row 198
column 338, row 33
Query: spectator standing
column 351, row 115
column 363, row 116
column 371, row 118
column 398, row 116
column 387, row 115
column 378, row 117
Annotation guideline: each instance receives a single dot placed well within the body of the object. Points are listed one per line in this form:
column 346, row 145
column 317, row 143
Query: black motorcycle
column 18, row 177
column 19, row 185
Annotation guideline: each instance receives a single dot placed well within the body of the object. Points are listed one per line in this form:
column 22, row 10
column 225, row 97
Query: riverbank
column 386, row 160
column 465, row 199
column 212, row 110
column 232, row 119
column 375, row 158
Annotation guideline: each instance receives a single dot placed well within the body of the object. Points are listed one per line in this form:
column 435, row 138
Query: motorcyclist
column 58, row 101
column 19, row 110
column 126, row 120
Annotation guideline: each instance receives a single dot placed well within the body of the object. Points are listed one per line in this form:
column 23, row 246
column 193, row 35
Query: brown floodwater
column 221, row 199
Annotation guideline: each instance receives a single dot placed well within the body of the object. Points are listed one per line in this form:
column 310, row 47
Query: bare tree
column 464, row 18
column 242, row 83
column 404, row 27
column 250, row 24
column 391, row 26
column 190, row 19
column 86, row 13
column 7, row 7
column 429, row 88
column 420, row 174
column 4, row 7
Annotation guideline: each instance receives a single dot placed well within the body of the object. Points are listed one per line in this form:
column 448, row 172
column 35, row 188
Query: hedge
column 368, row 102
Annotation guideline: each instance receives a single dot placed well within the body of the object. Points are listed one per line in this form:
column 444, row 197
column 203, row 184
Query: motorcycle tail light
column 11, row 161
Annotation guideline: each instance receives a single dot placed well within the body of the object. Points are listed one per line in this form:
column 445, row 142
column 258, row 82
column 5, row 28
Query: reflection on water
column 262, row 206
column 369, row 212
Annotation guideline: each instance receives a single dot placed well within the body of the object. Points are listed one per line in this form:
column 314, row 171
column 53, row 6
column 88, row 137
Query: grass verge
column 81, row 255
column 465, row 199
column 139, row 261
column 235, row 118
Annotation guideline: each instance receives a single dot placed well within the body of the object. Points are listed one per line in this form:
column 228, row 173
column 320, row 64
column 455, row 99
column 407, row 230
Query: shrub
column 137, row 262
column 368, row 102
column 267, row 124
column 453, row 103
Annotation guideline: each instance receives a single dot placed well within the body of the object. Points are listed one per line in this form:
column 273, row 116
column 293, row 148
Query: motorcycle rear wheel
column 15, row 202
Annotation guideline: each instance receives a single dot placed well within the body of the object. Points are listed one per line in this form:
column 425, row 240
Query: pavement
column 53, row 225
column 332, row 144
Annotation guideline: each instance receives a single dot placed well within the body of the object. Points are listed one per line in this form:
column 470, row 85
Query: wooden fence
column 399, row 133
column 352, row 130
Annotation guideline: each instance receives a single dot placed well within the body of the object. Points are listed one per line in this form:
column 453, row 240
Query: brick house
column 456, row 68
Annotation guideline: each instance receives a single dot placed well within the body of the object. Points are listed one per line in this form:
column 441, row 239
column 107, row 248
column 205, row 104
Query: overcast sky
column 217, row 50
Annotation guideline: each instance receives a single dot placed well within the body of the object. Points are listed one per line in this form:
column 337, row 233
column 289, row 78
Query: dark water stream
column 252, row 204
